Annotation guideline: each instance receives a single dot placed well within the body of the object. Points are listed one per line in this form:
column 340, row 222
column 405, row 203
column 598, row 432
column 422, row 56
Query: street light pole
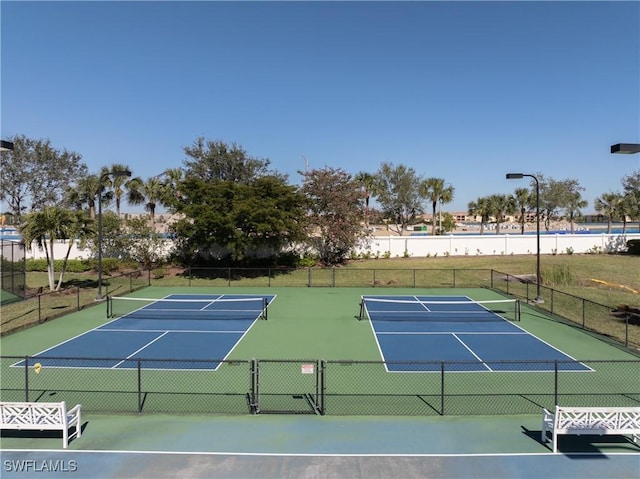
column 101, row 181
column 518, row 176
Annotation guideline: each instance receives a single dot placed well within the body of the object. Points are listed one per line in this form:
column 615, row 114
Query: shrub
column 633, row 246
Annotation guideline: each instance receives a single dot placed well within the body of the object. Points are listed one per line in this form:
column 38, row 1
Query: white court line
column 115, row 366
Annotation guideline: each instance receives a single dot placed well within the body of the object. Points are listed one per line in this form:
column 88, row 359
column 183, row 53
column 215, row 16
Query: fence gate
column 287, row 387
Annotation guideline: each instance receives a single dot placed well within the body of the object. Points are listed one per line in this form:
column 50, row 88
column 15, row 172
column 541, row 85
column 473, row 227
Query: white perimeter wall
column 492, row 244
column 453, row 245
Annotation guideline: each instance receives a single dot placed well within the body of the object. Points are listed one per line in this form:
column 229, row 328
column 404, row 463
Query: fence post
column 309, row 277
column 78, row 298
column 626, row 330
column 323, row 385
column 130, row 282
column 333, row 276
column 255, row 385
column 454, row 278
column 149, row 277
column 26, row 378
column 414, row 277
column 555, row 385
column 139, row 385
column 442, row 388
column 39, row 309
column 189, row 274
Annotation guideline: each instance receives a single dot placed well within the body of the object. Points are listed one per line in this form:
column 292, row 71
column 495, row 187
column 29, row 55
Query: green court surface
column 352, row 439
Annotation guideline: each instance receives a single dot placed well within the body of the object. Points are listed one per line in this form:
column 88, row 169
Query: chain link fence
column 12, row 270
column 117, row 385
column 583, row 313
column 586, row 314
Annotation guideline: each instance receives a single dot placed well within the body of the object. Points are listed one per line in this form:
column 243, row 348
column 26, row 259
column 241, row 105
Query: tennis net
column 378, row 309
column 166, row 308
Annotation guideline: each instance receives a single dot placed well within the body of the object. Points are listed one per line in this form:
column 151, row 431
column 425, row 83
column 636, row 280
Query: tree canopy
column 336, row 212
column 35, row 174
column 398, row 192
column 216, row 160
column 230, row 222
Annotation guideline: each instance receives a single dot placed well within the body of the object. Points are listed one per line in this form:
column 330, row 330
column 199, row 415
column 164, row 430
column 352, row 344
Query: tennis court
column 196, row 327
column 478, row 335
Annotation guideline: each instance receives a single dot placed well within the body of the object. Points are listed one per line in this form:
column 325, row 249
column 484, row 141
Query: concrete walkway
column 157, row 446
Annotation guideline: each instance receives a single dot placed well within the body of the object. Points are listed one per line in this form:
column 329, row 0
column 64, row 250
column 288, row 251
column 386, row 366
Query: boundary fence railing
column 319, row 387
column 583, row 313
column 578, row 311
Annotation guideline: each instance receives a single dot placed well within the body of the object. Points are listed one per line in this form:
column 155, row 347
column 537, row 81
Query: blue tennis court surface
column 177, row 327
column 481, row 336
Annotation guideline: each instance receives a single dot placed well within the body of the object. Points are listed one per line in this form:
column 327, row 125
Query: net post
column 265, row 308
column 518, row 309
column 108, row 301
column 361, row 314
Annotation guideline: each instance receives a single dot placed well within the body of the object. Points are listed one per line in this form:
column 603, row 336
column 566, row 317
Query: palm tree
column 500, row 206
column 624, row 209
column 524, row 199
column 118, row 183
column 50, row 224
column 148, row 192
column 572, row 208
column 370, row 188
column 170, row 185
column 435, row 190
column 607, row 204
column 85, row 193
column 480, row 208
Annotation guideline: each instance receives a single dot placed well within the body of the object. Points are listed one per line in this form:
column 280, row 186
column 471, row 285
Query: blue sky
column 466, row 91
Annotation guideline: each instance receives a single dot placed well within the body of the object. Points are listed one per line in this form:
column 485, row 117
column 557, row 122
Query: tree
column 336, row 212
column 623, row 210
column 226, row 221
column 215, row 160
column 149, row 193
column 481, row 208
column 608, row 204
column 370, row 188
column 556, row 195
column 141, row 242
column 499, row 207
column 573, row 201
column 435, row 191
column 84, row 193
column 52, row 223
column 525, row 202
column 121, row 186
column 37, row 173
column 399, row 195
column 631, row 188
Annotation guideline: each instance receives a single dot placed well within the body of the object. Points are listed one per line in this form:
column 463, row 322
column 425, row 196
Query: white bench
column 590, row 420
column 41, row 416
